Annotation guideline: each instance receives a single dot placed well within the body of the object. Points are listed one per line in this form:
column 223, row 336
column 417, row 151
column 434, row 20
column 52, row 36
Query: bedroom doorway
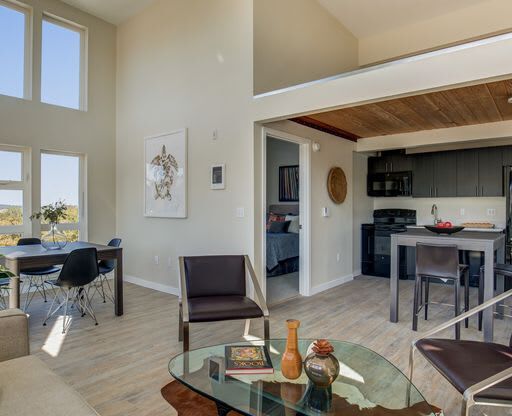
column 286, row 204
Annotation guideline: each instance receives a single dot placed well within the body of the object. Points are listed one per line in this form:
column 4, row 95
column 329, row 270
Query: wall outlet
column 156, row 259
column 462, row 212
column 338, row 257
column 491, row 212
column 215, row 134
column 240, row 212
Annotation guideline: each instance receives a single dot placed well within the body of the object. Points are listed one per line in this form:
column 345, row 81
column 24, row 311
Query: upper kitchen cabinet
column 377, row 164
column 390, row 162
column 507, row 155
column 434, row 175
column 479, row 172
column 490, row 171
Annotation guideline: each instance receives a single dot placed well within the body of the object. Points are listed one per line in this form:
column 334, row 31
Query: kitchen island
column 486, row 242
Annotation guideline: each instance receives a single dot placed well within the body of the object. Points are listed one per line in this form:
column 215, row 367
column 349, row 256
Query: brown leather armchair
column 213, row 288
column 480, row 371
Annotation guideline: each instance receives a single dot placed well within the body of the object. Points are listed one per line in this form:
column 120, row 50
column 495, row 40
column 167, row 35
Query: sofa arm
column 14, row 341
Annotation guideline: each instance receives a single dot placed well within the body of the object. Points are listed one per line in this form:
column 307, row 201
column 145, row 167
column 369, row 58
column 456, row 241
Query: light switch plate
column 240, row 212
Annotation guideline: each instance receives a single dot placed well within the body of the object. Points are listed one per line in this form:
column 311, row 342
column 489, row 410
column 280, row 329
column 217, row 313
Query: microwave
column 390, row 184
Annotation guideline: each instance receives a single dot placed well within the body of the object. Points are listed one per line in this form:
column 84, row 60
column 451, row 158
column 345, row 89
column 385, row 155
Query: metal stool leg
column 427, row 286
column 415, row 311
column 457, row 307
column 466, row 296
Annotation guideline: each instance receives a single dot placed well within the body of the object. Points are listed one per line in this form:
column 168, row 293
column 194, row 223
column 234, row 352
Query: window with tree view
column 61, row 181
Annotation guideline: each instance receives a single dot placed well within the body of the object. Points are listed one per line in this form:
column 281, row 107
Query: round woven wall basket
column 337, row 185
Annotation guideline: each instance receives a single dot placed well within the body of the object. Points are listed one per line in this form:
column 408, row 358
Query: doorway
column 286, row 161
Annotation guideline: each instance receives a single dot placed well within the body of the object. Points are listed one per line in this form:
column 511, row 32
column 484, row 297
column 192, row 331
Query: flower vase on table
column 320, row 365
column 54, row 239
column 291, row 362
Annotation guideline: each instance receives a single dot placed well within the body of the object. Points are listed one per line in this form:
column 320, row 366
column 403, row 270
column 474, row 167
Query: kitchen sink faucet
column 434, row 212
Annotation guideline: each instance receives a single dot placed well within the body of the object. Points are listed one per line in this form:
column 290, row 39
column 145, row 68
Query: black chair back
column 29, row 241
column 80, row 268
column 437, row 260
column 215, row 276
column 110, row 264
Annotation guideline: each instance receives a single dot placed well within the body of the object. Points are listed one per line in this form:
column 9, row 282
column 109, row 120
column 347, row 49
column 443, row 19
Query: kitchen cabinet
column 506, row 155
column 490, row 171
column 377, row 164
column 434, row 175
column 467, row 173
column 393, row 162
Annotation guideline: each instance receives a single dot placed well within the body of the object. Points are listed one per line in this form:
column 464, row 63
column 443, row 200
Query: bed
column 282, row 248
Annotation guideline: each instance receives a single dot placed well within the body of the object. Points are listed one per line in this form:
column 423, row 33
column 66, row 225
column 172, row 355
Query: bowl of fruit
column 444, row 228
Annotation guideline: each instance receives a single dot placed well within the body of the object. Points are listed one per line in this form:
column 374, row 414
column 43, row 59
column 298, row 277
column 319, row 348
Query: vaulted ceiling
column 113, row 11
column 476, row 104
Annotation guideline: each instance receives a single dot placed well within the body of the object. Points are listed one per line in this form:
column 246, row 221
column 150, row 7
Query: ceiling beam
column 326, row 128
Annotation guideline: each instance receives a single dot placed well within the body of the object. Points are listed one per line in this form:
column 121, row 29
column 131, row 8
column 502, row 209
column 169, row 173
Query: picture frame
column 218, row 176
column 165, row 175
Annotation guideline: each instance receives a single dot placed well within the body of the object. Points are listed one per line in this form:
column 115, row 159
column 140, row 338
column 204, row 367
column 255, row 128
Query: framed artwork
column 165, row 175
column 289, row 183
column 217, row 176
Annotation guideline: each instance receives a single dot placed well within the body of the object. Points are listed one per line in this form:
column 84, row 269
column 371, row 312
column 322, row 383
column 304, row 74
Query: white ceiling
column 113, row 11
column 370, row 17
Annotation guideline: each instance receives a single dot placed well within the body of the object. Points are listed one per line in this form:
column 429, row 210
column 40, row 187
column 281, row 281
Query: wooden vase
column 291, row 363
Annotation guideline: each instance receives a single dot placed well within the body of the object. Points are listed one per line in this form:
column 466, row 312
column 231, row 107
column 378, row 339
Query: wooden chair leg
column 457, row 307
column 427, row 286
column 417, row 283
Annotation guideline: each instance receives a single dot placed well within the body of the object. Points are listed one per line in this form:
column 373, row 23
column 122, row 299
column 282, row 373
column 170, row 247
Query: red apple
column 441, row 225
column 448, row 224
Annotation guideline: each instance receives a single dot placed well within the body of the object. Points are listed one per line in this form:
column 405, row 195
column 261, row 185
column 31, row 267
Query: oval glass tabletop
column 368, row 384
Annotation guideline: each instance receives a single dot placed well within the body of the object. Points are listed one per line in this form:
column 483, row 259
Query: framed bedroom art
column 165, row 175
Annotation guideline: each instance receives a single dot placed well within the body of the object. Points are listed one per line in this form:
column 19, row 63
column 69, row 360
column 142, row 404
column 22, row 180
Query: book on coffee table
column 248, row 359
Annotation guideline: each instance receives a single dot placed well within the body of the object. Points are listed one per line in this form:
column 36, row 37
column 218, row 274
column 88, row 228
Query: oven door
column 382, row 247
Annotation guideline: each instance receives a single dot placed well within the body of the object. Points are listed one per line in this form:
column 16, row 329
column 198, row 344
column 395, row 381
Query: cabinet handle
column 431, row 192
column 482, row 194
column 436, row 192
column 391, row 170
column 476, row 189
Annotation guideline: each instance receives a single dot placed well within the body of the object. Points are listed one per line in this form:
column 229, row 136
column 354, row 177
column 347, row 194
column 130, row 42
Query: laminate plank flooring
column 120, row 365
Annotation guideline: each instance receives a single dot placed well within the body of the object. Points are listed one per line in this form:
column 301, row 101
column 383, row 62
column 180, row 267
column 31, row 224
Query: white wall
column 47, row 127
column 476, row 20
column 296, row 41
column 186, row 63
column 332, row 235
column 449, row 209
column 279, row 153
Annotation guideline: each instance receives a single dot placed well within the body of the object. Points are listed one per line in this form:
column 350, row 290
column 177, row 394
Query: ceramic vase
column 320, row 365
column 291, row 362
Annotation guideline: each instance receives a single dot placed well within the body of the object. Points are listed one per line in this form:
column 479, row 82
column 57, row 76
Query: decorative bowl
column 444, row 230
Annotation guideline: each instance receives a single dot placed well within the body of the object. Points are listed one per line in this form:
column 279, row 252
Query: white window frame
column 81, row 225
column 84, row 42
column 28, row 45
column 24, row 185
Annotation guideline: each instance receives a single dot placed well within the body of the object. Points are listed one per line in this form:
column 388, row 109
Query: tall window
column 15, row 51
column 14, row 195
column 62, row 180
column 63, row 63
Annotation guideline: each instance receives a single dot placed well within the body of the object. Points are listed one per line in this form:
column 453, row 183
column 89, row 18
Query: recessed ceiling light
column 509, row 100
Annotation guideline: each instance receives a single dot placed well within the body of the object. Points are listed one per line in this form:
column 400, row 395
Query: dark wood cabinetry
column 459, row 173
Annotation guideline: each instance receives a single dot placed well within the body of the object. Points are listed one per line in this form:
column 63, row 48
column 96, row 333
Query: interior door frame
column 304, row 206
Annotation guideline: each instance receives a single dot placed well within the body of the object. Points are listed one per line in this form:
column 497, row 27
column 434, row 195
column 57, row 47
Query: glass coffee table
column 368, row 384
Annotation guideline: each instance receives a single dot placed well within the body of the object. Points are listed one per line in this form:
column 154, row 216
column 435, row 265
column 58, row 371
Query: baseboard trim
column 333, row 283
column 357, row 273
column 152, row 285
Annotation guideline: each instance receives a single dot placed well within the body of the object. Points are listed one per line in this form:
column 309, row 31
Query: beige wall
column 331, row 235
column 473, row 21
column 296, row 41
column 279, row 153
column 362, row 206
column 186, row 63
column 46, row 127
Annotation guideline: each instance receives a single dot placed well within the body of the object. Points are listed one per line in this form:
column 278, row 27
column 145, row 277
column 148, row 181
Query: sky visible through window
column 12, row 52
column 60, row 66
column 59, row 178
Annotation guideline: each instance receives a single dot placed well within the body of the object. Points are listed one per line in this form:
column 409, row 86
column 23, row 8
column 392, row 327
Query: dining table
column 19, row 258
column 488, row 243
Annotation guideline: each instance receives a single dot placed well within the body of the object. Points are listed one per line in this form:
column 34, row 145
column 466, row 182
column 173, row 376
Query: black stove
column 376, row 241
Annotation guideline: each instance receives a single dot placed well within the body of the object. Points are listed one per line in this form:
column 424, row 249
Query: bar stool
column 438, row 262
column 501, row 272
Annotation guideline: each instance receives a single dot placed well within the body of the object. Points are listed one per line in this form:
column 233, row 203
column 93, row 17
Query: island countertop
column 479, row 230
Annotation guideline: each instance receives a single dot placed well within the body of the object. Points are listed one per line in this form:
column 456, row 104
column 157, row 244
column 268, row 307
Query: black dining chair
column 4, row 292
column 36, row 277
column 502, row 274
column 101, row 285
column 79, row 269
column 213, row 288
column 435, row 262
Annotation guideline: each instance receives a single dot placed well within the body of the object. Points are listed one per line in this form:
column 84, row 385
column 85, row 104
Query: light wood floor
column 120, row 365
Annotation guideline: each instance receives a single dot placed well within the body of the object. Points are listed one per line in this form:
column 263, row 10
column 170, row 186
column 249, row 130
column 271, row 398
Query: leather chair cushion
column 222, row 308
column 437, row 260
column 465, row 363
column 215, row 276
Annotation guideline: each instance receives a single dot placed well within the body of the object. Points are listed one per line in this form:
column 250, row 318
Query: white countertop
column 483, row 230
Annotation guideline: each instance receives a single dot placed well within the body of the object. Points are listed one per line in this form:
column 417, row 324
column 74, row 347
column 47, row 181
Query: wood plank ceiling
column 476, row 104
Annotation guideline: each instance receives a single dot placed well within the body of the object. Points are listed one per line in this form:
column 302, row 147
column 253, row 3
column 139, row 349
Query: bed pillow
column 279, row 227
column 294, row 223
column 274, row 218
